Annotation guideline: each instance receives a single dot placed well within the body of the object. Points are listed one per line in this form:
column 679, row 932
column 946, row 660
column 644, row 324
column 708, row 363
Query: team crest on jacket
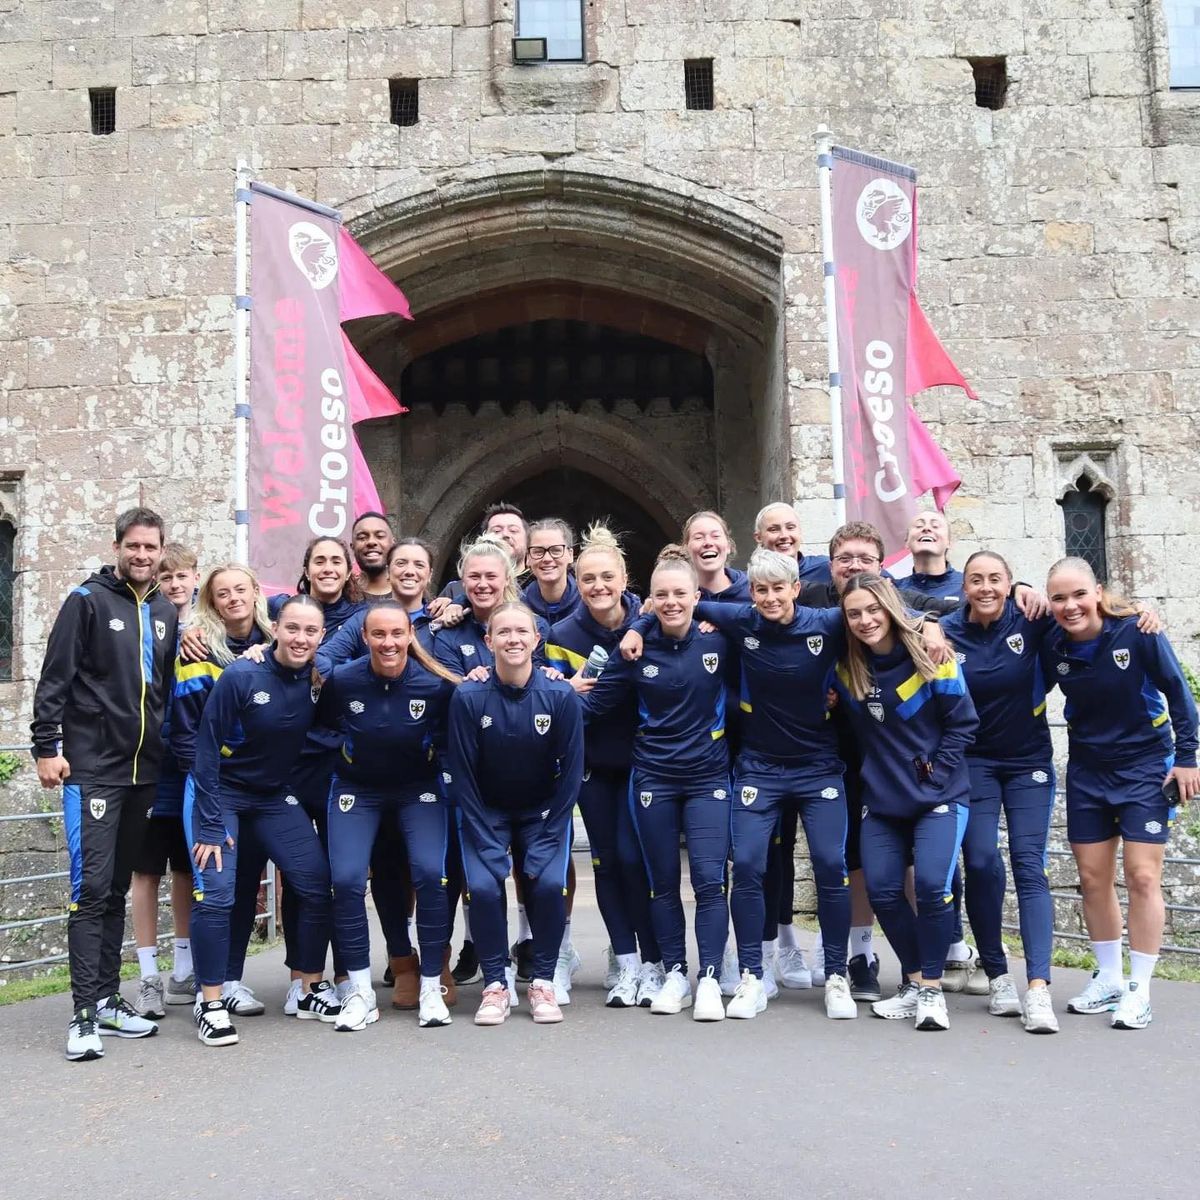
column 345, row 802
column 541, row 723
column 428, row 798
column 876, row 710
column 416, row 709
column 650, row 671
column 1040, row 777
column 1064, row 668
column 292, row 800
column 960, row 658
column 485, row 722
column 751, row 643
column 1121, row 658
column 815, row 644
column 749, row 795
column 711, row 662
column 1016, row 643
column 116, row 624
column 314, row 692
column 468, row 650
column 829, row 793
column 720, row 794
column 97, row 806
column 645, row 798
column 261, row 697
column 356, row 706
column 160, row 629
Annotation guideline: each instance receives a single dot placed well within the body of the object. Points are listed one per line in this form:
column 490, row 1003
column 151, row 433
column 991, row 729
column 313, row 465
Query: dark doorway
column 581, row 498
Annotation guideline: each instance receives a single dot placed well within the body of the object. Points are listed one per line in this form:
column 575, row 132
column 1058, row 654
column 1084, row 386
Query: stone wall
column 1057, row 234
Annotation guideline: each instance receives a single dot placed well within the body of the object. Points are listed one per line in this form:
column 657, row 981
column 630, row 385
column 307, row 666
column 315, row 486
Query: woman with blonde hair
column 1131, row 760
column 914, row 721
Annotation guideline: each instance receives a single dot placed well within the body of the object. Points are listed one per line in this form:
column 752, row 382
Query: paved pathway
column 609, row 1104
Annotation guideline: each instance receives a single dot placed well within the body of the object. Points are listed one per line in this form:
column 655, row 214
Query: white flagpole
column 241, row 338
column 824, row 139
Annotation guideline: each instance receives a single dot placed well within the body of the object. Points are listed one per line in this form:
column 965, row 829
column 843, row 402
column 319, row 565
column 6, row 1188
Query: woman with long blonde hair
column 914, row 721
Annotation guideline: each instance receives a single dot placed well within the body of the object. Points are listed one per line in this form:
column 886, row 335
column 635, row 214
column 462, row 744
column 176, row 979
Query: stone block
column 196, row 194
column 1068, row 237
column 1117, row 74
column 25, row 66
column 168, row 150
column 66, row 361
column 233, row 55
column 33, row 200
column 352, row 14
column 685, row 131
column 443, row 101
column 295, row 146
column 53, row 112
column 60, row 19
column 542, row 134
column 617, row 132
column 555, row 89
column 408, row 53
column 653, row 85
column 164, row 59
column 471, row 48
column 102, row 62
column 269, row 102
column 314, row 54
column 1101, row 36
column 330, row 103
column 767, row 39
column 106, row 155
column 435, row 12
column 51, row 243
column 252, row 15
column 477, row 12
column 1047, row 79
column 151, row 18
column 989, row 38
column 931, row 81
column 671, row 42
column 175, row 106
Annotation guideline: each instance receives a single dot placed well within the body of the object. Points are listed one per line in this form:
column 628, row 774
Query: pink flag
column 365, row 290
column 927, row 363
column 931, row 469
column 369, row 395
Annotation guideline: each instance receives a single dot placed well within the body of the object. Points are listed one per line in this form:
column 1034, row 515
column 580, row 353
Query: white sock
column 1108, row 962
column 787, row 936
column 862, row 941
column 523, row 930
column 147, row 961
column 466, row 911
column 361, row 979
column 958, row 952
column 1141, row 969
column 566, row 938
column 229, row 985
column 819, row 948
column 769, row 950
column 628, row 962
column 182, row 967
column 411, row 928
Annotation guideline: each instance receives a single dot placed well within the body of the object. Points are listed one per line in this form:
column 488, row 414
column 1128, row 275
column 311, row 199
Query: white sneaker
column 565, row 969
column 115, row 1017
column 731, row 974
column 510, row 977
column 358, row 1010
column 900, row 1007
column 213, row 1026
column 709, row 1006
column 957, row 973
column 650, row 981
column 343, row 990
column 292, row 1001
column 1097, row 997
column 769, row 982
column 675, row 993
column 1002, row 997
column 241, row 1001
column 931, row 1009
column 83, row 1038
column 1133, row 1009
column 612, row 968
column 150, row 999
column 1038, row 1016
column 817, row 970
column 432, row 1012
column 793, row 972
column 839, row 1004
column 624, row 992
column 748, row 1001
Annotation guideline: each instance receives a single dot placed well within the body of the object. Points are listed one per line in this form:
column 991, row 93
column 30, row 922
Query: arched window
column 1183, row 42
column 7, row 538
column 1083, row 525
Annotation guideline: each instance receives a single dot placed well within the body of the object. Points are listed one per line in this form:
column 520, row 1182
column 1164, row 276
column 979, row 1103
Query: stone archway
column 621, row 247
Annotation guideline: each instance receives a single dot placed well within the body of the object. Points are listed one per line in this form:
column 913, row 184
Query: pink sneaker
column 493, row 1008
column 542, row 1003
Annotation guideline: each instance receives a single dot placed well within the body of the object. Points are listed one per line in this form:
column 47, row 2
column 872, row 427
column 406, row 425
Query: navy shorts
column 165, row 843
column 1104, row 802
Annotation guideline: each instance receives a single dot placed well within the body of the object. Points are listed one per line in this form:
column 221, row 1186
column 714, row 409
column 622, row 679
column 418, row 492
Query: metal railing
column 8, row 964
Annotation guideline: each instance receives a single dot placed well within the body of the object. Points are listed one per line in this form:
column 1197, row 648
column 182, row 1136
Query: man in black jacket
column 98, row 713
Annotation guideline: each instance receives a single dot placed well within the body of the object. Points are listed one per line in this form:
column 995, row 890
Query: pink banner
column 874, row 241
column 302, row 449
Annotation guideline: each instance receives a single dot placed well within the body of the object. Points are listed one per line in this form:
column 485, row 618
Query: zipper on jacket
column 142, row 671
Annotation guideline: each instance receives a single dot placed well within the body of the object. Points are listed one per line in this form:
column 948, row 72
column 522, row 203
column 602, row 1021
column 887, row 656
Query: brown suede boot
column 406, row 990
column 451, row 996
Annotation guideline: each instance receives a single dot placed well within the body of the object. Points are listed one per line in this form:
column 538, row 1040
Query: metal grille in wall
column 1083, row 526
column 546, row 363
column 7, row 539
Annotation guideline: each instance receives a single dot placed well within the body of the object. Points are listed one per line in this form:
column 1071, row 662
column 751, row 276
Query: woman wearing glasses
column 552, row 592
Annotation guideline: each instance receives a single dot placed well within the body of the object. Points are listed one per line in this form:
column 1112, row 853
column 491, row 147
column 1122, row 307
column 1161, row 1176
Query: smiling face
column 233, row 595
column 512, row 638
column 853, row 556
column 775, row 599
column 298, row 634
column 986, row 585
column 601, row 580
column 138, row 554
column 708, row 544
column 409, row 573
column 509, row 527
column 483, row 579
column 372, row 540
column 674, row 597
column 327, row 571
column 929, row 533
column 779, row 529
column 179, row 586
column 868, row 620
column 388, row 634
column 1075, row 602
column 549, row 556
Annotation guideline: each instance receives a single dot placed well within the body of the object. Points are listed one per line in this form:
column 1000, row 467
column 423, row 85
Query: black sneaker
column 321, row 1004
column 864, row 978
column 467, row 969
column 522, row 956
column 213, row 1025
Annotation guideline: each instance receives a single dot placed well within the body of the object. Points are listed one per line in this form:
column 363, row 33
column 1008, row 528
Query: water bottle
column 596, row 662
